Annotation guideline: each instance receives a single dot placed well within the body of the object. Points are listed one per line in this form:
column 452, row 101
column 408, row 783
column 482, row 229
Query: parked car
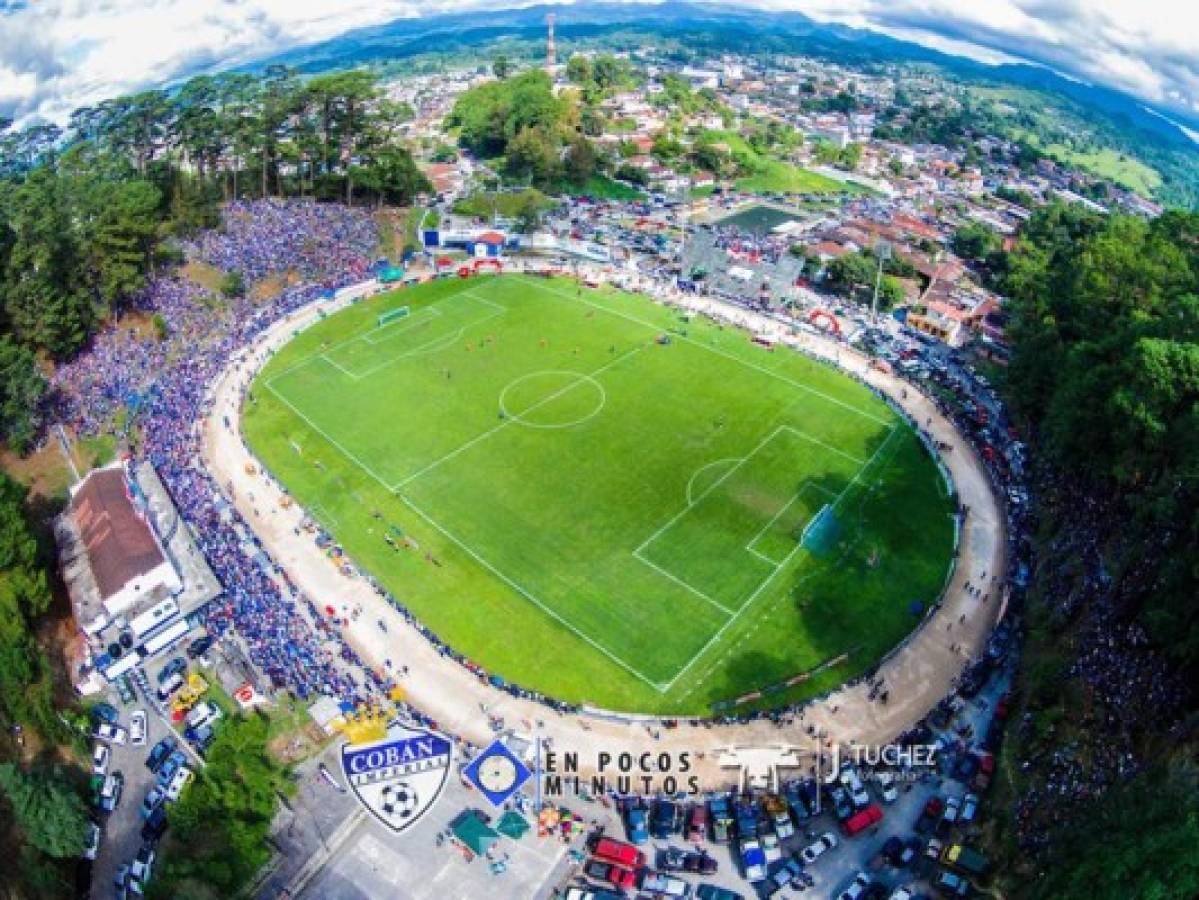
column 155, row 825
column 818, row 848
column 860, row 821
column 204, row 713
column 159, row 753
column 120, row 882
column 103, row 712
column 770, row 848
column 199, row 647
column 697, row 823
column 969, row 809
column 712, row 892
column 143, row 864
column 638, row 826
column 856, row 888
column 111, row 734
column 125, row 690
column 842, row 806
column 172, row 765
column 700, row 864
column 664, row 820
column 608, row 850
column 753, row 860
column 92, row 850
column 179, row 781
column 110, row 793
column 137, row 728
column 886, row 786
column 152, row 801
column 898, row 852
column 617, row 876
column 660, row 884
column 789, row 873
column 951, row 885
column 780, row 818
column 722, row 819
column 100, row 757
column 176, row 666
column 953, row 807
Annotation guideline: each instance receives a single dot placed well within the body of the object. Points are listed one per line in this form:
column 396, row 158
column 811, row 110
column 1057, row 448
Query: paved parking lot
column 330, row 848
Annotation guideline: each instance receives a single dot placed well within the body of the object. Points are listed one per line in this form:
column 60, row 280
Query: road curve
column 918, row 674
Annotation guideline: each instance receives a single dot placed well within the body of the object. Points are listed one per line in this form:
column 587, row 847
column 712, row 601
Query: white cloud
column 56, row 55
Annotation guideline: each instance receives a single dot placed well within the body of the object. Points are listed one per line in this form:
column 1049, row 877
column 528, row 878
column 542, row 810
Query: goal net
column 822, row 532
column 392, row 314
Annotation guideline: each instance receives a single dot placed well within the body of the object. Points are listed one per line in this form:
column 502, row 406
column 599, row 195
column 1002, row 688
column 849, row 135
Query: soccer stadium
column 672, row 514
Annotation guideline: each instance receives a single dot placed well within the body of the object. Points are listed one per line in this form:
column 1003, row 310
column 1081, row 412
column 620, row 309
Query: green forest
column 87, row 212
column 1105, row 378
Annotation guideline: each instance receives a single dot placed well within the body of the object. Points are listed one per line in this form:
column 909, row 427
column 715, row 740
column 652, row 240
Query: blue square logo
column 497, row 773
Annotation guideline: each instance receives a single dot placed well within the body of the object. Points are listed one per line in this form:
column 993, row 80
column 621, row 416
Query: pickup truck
column 776, row 807
column 753, row 860
column 722, row 820
column 963, row 859
column 930, row 815
column 747, row 820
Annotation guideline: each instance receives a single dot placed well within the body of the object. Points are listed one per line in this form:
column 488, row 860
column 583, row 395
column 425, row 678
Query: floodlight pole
column 883, row 251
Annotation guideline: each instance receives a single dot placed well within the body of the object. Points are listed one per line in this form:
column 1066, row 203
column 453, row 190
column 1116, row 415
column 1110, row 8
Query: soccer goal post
column 392, row 314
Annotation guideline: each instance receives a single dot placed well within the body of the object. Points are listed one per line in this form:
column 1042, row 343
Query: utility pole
column 883, row 251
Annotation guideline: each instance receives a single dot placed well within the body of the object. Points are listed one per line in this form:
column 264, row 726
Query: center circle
column 551, row 398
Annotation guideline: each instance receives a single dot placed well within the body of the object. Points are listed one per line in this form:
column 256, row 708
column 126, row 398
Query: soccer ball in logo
column 397, row 801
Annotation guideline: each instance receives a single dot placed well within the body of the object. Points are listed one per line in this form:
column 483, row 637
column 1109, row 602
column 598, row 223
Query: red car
column 617, row 876
column 859, row 822
column 1003, row 706
column 618, row 852
column 697, row 823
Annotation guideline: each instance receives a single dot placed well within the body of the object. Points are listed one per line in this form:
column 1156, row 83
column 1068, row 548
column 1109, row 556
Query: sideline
column 919, row 673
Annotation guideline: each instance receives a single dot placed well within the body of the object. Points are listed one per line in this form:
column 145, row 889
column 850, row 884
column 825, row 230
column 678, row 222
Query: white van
column 202, row 714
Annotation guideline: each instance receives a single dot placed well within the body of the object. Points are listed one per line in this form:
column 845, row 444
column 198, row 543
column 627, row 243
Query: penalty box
column 748, row 523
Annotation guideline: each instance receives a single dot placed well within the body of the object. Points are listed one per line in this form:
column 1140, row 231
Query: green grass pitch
column 598, row 513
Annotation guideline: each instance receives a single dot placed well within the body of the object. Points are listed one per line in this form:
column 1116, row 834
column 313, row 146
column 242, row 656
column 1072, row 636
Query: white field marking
column 829, row 447
column 771, row 610
column 403, row 482
column 713, row 486
column 807, row 483
column 311, row 424
column 797, row 384
column 761, row 587
column 408, row 321
column 335, row 364
column 530, row 596
column 579, row 379
column 431, row 346
column 322, row 515
column 694, row 590
column 318, row 354
column 704, row 468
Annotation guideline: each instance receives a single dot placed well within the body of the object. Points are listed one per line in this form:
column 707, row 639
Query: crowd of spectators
column 261, row 238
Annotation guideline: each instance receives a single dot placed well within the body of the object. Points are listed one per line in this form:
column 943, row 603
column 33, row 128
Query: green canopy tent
column 474, row 833
column 512, row 824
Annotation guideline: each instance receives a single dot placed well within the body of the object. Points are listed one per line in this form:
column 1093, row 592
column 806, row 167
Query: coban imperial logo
column 399, row 776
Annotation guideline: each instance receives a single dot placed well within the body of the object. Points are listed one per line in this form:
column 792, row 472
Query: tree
column 233, row 284
column 533, row 157
column 51, row 814
column 578, row 69
column 975, row 241
column 501, row 67
column 21, row 389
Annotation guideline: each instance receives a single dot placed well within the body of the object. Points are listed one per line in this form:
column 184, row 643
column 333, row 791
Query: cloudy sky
column 56, row 55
